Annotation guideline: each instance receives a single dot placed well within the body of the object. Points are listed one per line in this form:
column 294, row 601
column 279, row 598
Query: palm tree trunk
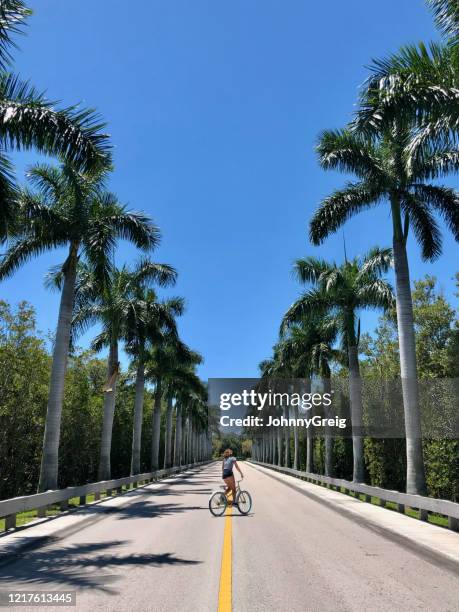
column 415, row 473
column 287, row 439
column 190, row 441
column 279, row 447
column 156, row 427
column 184, row 441
column 309, row 437
column 168, row 443
column 295, row 440
column 328, row 439
column 355, row 392
column 104, row 472
column 138, row 417
column 178, row 437
column 51, row 438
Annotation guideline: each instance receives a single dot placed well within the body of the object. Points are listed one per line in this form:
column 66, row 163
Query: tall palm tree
column 196, row 424
column 162, row 359
column 308, row 346
column 276, row 372
column 388, row 173
column 70, row 209
column 293, row 364
column 182, row 379
column 28, row 120
column 113, row 304
column 148, row 319
column 342, row 291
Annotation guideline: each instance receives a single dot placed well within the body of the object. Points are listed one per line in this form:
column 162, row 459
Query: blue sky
column 214, row 109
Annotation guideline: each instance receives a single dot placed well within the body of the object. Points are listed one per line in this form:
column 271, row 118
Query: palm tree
column 418, row 86
column 277, row 371
column 161, row 362
column 147, row 321
column 113, row 304
column 196, row 424
column 340, row 292
column 308, row 346
column 180, row 381
column 28, row 120
column 388, row 173
column 292, row 364
column 70, row 209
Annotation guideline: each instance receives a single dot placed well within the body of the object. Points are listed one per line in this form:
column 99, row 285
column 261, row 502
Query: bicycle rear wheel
column 244, row 502
column 218, row 503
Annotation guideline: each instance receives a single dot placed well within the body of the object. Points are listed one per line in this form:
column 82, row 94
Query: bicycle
column 218, row 501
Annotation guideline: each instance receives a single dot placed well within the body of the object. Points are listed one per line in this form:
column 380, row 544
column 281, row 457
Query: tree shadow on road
column 77, row 566
column 178, row 493
column 150, row 510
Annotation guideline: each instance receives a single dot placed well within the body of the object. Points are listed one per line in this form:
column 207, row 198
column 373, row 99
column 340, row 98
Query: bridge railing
column 10, row 508
column 424, row 504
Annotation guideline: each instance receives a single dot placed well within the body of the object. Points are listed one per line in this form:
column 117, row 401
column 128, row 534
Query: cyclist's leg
column 232, row 484
column 228, row 486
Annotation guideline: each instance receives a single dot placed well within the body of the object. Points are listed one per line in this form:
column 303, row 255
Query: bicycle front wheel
column 244, row 502
column 218, row 503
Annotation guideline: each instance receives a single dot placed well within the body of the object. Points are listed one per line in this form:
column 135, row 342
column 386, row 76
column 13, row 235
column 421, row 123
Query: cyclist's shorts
column 227, row 473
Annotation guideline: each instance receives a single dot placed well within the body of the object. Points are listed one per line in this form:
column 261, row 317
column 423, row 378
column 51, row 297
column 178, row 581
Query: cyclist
column 229, row 462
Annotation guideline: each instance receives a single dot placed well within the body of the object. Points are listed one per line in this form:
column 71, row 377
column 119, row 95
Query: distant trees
column 25, row 366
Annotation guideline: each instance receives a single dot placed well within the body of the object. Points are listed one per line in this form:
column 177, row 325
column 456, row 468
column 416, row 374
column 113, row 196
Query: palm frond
column 100, row 341
column 418, row 86
column 28, row 120
column 444, row 200
column 24, row 249
column 311, row 302
column 7, row 197
column 149, row 271
column 424, row 225
column 376, row 262
column 348, row 152
column 435, row 163
column 47, row 179
column 336, row 209
column 13, row 14
column 310, row 269
column 54, row 278
column 446, row 14
column 376, row 294
column 36, row 214
column 135, row 227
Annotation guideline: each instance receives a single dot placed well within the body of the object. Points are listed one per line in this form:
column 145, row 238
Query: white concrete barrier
column 403, row 500
column 9, row 508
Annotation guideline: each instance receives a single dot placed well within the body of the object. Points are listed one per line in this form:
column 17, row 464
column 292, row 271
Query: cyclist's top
column 228, row 463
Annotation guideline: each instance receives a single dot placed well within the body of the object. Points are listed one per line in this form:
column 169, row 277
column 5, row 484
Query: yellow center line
column 224, row 595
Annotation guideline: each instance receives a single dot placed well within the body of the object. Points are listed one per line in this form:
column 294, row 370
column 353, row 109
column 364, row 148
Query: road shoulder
column 436, row 543
column 42, row 532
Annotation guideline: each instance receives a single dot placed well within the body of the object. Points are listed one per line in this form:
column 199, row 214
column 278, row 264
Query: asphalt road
column 162, row 552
